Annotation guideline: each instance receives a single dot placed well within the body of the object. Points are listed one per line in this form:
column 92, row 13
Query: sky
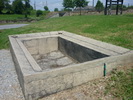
column 58, row 3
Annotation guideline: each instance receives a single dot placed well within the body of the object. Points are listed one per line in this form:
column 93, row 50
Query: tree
column 80, row 4
column 38, row 13
column 3, row 4
column 46, row 8
column 56, row 9
column 27, row 8
column 18, row 7
column 99, row 6
column 68, row 4
column 8, row 8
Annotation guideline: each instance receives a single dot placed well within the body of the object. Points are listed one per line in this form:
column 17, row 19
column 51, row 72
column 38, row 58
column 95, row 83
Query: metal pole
column 117, row 8
column 34, row 5
column 93, row 3
column 121, row 6
column 105, row 10
column 110, row 7
column 104, row 71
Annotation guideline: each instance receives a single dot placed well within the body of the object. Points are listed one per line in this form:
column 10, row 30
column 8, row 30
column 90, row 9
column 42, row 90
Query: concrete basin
column 50, row 62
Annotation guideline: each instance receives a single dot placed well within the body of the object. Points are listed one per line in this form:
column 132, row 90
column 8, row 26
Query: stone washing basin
column 50, row 62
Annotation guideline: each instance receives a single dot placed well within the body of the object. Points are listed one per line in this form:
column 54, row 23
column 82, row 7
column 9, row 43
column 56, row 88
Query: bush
column 45, row 12
column 130, row 7
column 39, row 12
column 56, row 10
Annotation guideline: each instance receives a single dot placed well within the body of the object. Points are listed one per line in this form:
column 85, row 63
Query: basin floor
column 53, row 60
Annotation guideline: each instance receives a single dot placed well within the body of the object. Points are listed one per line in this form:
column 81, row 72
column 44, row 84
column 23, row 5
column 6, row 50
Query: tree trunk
column 69, row 13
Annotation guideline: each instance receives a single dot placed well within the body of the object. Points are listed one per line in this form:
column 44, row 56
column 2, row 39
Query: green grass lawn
column 117, row 30
column 19, row 17
column 11, row 17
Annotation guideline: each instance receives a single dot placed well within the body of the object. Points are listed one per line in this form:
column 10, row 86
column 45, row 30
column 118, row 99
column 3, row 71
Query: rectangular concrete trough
column 50, row 62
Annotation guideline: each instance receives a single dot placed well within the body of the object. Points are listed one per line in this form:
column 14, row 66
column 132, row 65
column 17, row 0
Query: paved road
column 12, row 26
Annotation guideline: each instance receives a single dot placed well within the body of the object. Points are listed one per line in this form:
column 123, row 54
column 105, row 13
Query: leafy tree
column 38, row 13
column 80, row 4
column 68, row 4
column 56, row 9
column 99, row 6
column 18, row 6
column 46, row 8
column 3, row 4
column 27, row 8
column 8, row 8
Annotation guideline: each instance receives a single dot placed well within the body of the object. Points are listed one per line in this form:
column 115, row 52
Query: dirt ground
column 93, row 90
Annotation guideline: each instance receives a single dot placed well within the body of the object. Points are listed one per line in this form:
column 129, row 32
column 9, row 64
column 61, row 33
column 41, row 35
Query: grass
column 120, row 84
column 117, row 30
column 11, row 17
column 19, row 17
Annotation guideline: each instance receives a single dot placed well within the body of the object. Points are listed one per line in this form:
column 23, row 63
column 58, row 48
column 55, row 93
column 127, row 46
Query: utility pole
column 34, row 5
column 43, row 4
column 93, row 3
column 46, row 3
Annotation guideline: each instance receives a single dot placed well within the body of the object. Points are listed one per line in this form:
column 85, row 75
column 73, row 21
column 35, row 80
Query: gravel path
column 9, row 85
column 12, row 26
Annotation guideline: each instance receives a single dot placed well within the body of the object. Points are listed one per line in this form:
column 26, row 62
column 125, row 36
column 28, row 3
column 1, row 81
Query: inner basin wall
column 41, row 45
column 78, row 52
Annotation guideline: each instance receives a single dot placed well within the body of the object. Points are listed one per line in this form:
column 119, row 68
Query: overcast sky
column 58, row 3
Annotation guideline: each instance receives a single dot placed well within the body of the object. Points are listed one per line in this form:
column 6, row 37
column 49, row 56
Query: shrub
column 38, row 13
